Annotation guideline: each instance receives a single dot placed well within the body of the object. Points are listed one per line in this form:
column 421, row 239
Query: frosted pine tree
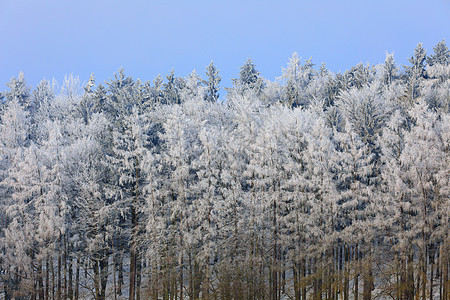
column 297, row 78
column 19, row 91
column 441, row 55
column 249, row 79
column 436, row 89
column 390, row 69
column 193, row 87
column 415, row 74
column 212, row 84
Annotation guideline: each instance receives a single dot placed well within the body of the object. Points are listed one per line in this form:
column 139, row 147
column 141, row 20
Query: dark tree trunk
column 138, row 277
column 77, row 279
column 367, row 280
column 59, row 284
column 132, row 291
column 40, row 280
column 47, row 279
column 70, row 288
column 295, row 275
column 103, row 276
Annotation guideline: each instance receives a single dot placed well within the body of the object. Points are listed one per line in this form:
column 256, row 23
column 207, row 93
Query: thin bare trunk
column 132, row 291
column 77, row 280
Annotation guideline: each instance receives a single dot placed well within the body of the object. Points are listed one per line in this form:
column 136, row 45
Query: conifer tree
column 212, row 84
column 249, row 79
column 441, row 55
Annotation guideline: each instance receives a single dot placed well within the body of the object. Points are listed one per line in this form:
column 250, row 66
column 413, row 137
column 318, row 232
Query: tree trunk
column 41, row 281
column 445, row 270
column 58, row 290
column 65, row 258
column 205, row 289
column 181, row 275
column 119, row 268
column 295, row 275
column 409, row 277
column 132, row 291
column 96, row 270
column 138, row 277
column 70, row 288
column 77, row 279
column 103, row 276
column 346, row 273
column 303, row 284
column 53, row 279
column 367, row 279
column 191, row 276
column 356, row 277
column 431, row 275
column 47, row 279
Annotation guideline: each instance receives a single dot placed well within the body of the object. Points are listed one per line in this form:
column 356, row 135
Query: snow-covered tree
column 19, row 91
column 390, row 69
column 297, row 78
column 249, row 79
column 212, row 84
column 441, row 55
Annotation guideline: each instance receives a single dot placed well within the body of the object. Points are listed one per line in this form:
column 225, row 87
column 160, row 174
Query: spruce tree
column 212, row 84
column 441, row 55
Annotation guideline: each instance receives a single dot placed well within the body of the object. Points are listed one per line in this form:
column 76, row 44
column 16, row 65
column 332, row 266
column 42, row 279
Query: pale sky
column 49, row 39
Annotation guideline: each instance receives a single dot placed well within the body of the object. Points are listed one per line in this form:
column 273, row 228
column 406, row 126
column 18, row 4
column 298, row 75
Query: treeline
column 314, row 186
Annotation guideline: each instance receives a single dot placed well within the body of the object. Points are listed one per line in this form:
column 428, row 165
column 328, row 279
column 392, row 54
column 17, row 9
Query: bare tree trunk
column 283, row 275
column 114, row 268
column 53, row 278
column 41, row 281
column 424, row 268
column 70, row 288
column 77, row 279
column 303, row 285
column 340, row 270
column 138, row 277
column 295, row 275
column 132, row 291
column 410, row 277
column 95, row 268
column 346, row 272
column 431, row 272
column 58, row 290
column 367, row 279
column 191, row 276
column 181, row 275
column 445, row 270
column 103, row 275
column 47, row 279
column 205, row 289
column 119, row 268
column 356, row 277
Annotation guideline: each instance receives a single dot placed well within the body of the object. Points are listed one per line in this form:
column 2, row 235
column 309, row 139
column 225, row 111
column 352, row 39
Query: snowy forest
column 317, row 185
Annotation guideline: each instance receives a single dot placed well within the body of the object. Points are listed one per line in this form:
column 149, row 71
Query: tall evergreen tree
column 441, row 55
column 390, row 69
column 19, row 91
column 212, row 84
column 249, row 79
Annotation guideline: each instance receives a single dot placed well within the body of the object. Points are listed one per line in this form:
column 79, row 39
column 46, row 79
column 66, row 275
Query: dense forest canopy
column 317, row 185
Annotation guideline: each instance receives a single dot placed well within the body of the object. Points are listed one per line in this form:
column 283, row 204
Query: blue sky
column 52, row 38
